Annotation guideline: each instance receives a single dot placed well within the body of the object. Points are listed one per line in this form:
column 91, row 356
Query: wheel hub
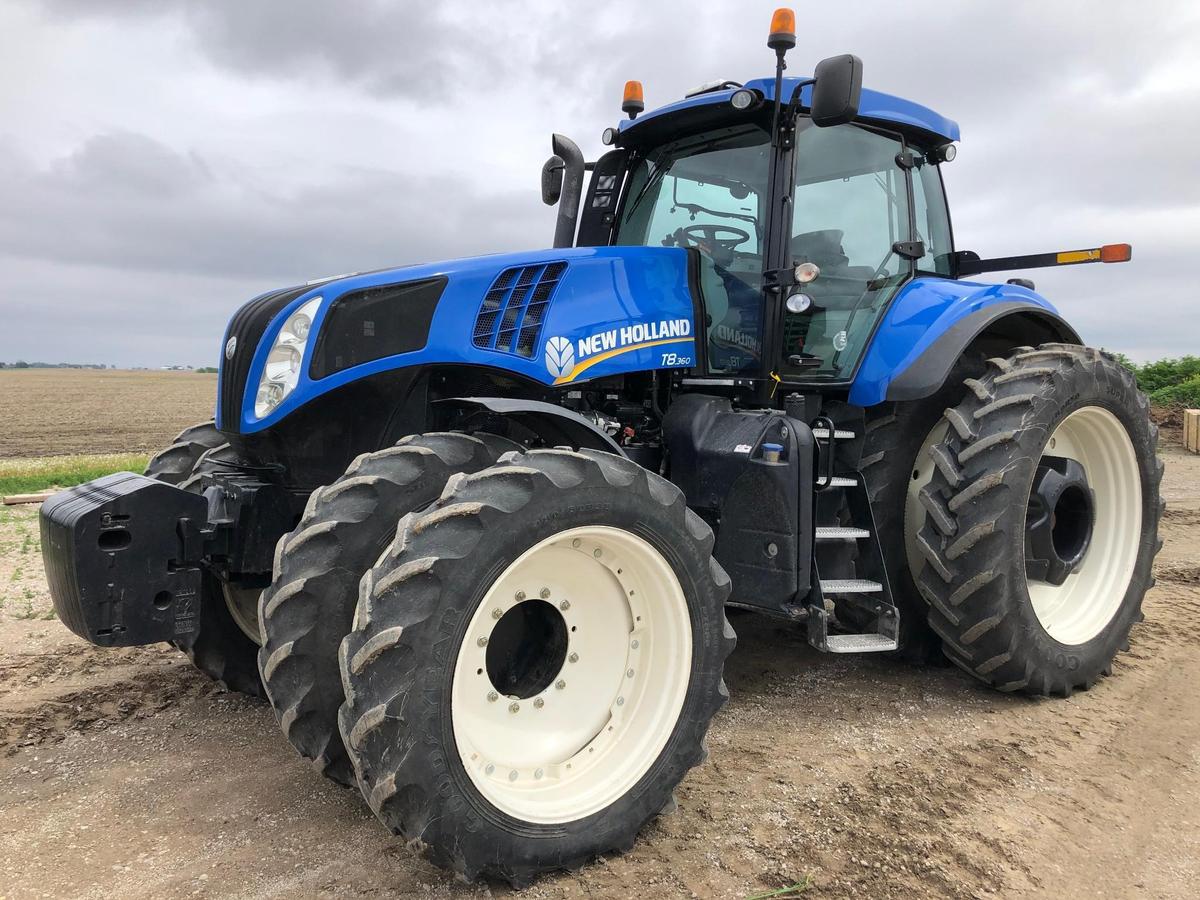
column 1059, row 520
column 571, row 674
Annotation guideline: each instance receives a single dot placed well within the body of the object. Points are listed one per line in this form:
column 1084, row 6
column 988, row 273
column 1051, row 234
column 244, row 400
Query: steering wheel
column 708, row 232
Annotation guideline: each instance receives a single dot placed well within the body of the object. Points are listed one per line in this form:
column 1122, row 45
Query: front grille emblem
column 230, row 347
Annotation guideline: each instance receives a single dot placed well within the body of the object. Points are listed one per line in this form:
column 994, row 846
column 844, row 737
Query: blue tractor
column 472, row 527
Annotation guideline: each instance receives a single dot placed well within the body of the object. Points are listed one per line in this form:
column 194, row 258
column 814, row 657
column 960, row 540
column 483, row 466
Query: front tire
column 535, row 662
column 309, row 606
column 1035, row 588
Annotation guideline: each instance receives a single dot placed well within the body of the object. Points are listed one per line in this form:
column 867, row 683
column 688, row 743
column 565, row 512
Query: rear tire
column 309, row 606
column 1005, row 625
column 420, row 695
column 893, row 439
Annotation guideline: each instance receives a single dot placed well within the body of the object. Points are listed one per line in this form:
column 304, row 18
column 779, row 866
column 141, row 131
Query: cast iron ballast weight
column 472, row 527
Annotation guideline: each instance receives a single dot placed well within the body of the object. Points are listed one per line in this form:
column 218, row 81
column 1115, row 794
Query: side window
column 933, row 223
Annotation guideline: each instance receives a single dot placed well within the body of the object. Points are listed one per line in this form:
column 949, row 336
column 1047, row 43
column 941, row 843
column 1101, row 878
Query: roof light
column 783, row 30
column 608, row 137
column 633, row 102
column 1116, row 253
column 743, row 99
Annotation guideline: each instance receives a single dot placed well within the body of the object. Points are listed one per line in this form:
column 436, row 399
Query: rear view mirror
column 837, row 90
column 552, row 180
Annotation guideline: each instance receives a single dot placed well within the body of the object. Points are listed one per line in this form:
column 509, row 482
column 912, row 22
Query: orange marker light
column 1116, row 253
column 633, row 102
column 783, row 30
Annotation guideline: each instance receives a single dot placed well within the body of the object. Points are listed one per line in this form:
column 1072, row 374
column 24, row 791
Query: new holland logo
column 230, row 347
column 560, row 357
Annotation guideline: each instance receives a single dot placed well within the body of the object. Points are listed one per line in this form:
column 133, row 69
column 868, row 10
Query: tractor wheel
column 534, row 663
column 1042, row 520
column 895, row 465
column 309, row 606
column 175, row 463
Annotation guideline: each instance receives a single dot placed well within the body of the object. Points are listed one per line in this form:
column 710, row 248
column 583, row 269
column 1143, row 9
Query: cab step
column 837, row 481
column 822, row 434
column 850, row 586
column 840, row 533
column 860, row 643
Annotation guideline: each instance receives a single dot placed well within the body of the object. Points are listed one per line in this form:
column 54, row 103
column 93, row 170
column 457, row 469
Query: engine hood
column 551, row 316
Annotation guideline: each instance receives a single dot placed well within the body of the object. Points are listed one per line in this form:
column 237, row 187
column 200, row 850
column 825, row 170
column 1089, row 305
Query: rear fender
column 931, row 324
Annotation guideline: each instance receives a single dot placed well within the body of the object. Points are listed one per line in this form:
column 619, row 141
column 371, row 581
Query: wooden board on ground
column 40, row 497
column 1191, row 429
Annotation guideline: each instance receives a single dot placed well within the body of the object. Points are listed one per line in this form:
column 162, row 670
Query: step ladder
column 850, row 555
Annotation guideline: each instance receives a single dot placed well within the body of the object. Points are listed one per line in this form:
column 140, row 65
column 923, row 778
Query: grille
column 514, row 308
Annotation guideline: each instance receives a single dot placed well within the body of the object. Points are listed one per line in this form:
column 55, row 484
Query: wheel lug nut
column 634, row 645
column 538, row 773
column 514, row 707
column 482, row 642
column 493, row 696
column 574, row 657
column 519, row 596
column 596, row 553
column 490, row 769
column 560, row 684
column 539, row 703
column 620, row 701
column 544, row 593
column 565, row 605
column 512, row 776
column 629, row 674
column 497, row 613
column 576, row 542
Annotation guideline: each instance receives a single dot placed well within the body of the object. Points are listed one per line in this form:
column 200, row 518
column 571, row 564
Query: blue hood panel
column 612, row 310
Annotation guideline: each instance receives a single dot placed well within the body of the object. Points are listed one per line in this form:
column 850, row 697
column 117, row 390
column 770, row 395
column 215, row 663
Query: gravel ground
column 125, row 773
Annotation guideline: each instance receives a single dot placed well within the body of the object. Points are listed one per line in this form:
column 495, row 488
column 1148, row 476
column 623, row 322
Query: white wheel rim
column 243, row 607
column 578, row 745
column 914, row 511
column 1081, row 607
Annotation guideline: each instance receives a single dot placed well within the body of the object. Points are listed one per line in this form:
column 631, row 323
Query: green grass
column 27, row 476
column 793, row 890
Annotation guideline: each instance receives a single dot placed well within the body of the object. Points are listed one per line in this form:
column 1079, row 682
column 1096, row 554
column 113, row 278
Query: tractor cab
column 803, row 226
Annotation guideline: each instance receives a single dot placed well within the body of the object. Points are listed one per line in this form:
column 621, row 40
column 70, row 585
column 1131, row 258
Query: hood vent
column 514, row 308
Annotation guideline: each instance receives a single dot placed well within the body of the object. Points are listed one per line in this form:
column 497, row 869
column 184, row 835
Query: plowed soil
column 125, row 773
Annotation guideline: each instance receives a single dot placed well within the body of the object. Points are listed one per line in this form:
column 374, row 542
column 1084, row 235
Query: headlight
column 282, row 369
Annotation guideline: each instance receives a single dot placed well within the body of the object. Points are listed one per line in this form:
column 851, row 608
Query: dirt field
column 48, row 412
column 125, row 773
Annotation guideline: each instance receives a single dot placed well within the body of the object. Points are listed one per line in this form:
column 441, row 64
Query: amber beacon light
column 633, row 102
column 783, row 30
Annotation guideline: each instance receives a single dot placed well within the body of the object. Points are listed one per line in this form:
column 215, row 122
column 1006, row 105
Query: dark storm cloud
column 168, row 159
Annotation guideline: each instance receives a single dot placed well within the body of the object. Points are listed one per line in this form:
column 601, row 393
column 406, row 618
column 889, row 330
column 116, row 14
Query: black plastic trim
column 929, row 372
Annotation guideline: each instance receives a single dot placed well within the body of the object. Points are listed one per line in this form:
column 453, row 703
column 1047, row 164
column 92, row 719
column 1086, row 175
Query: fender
column 553, row 424
column 932, row 321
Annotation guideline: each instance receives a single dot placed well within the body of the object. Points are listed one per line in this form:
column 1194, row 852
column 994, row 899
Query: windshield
column 708, row 191
column 851, row 206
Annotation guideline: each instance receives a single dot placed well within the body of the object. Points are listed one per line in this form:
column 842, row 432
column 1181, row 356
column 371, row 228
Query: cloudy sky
column 162, row 161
